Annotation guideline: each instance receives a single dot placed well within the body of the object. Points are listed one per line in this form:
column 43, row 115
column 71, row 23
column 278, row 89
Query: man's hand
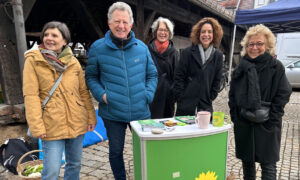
column 104, row 98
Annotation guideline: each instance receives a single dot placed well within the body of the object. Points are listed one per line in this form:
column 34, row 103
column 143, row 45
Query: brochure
column 148, row 124
column 186, row 119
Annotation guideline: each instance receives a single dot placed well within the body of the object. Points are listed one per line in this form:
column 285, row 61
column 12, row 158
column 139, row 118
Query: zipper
column 129, row 106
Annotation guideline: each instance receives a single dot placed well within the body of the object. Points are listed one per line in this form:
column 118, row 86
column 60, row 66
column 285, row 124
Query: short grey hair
column 62, row 27
column 168, row 23
column 122, row 7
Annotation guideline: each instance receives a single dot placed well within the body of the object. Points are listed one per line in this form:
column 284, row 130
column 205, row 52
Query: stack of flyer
column 148, row 124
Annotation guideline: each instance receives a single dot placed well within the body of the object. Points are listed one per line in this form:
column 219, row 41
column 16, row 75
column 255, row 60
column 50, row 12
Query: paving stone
column 89, row 178
column 88, row 162
column 86, row 170
column 97, row 173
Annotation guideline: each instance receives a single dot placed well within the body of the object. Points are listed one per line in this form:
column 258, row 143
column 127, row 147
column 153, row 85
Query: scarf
column 57, row 61
column 260, row 61
column 120, row 43
column 247, row 71
column 161, row 47
column 205, row 54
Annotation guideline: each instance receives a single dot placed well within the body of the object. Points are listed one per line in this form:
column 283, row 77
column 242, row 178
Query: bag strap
column 52, row 91
column 1, row 152
column 99, row 135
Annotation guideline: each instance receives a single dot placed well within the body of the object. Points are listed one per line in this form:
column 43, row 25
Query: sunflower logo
column 217, row 121
column 208, row 176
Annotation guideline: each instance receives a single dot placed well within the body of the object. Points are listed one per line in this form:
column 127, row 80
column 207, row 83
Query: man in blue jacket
column 122, row 77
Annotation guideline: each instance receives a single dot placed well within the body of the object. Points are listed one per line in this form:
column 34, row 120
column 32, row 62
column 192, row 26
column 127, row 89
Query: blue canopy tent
column 281, row 16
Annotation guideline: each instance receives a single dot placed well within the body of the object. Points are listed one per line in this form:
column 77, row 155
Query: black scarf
column 248, row 70
column 261, row 61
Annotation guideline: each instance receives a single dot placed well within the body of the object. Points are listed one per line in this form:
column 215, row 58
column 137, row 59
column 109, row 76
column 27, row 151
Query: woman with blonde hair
column 199, row 72
column 165, row 57
column 259, row 91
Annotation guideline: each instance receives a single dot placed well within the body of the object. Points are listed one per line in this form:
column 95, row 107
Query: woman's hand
column 91, row 127
column 42, row 136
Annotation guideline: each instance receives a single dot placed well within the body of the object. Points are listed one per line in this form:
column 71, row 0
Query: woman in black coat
column 258, row 82
column 198, row 75
column 165, row 57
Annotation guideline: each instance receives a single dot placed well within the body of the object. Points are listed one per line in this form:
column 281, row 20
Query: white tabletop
column 180, row 132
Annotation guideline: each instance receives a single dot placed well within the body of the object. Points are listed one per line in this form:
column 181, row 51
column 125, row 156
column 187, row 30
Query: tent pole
column 231, row 53
column 232, row 46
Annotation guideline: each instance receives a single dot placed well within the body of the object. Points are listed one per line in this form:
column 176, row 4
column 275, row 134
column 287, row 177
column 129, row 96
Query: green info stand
column 181, row 154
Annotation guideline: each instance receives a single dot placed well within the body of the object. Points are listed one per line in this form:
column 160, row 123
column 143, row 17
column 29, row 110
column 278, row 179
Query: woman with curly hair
column 198, row 75
column 259, row 90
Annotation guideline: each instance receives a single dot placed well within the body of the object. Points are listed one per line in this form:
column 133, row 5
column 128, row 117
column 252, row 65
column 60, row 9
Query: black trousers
column 268, row 171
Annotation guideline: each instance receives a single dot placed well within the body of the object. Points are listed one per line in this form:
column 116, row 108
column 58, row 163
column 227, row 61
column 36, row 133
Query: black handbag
column 259, row 115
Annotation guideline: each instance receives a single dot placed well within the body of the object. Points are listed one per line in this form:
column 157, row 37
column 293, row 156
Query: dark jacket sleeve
column 281, row 98
column 175, row 63
column 218, row 75
column 231, row 102
column 151, row 78
column 180, row 75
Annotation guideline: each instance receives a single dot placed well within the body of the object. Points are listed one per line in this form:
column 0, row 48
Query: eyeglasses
column 258, row 45
column 163, row 30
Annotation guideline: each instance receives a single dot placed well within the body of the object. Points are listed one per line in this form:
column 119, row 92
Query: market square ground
column 95, row 163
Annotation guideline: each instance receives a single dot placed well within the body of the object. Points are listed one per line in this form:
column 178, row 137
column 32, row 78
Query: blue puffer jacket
column 127, row 75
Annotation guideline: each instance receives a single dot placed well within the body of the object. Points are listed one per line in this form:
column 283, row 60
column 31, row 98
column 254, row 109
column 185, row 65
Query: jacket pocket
column 79, row 103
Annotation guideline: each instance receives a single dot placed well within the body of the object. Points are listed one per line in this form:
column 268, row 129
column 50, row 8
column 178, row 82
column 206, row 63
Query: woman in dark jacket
column 165, row 57
column 197, row 78
column 259, row 81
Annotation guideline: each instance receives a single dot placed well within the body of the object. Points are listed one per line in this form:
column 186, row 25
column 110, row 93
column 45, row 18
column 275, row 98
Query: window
column 297, row 64
column 261, row 2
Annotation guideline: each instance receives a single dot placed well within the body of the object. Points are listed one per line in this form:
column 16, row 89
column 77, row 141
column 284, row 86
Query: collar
column 109, row 42
column 120, row 42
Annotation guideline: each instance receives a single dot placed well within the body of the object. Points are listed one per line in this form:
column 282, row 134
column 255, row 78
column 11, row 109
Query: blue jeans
column 268, row 171
column 52, row 153
column 116, row 132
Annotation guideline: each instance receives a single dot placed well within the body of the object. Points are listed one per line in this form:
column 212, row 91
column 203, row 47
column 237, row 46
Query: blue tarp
column 98, row 135
column 280, row 16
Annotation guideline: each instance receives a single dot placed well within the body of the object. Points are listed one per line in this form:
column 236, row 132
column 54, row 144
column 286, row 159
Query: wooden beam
column 215, row 8
column 167, row 9
column 140, row 19
column 33, row 34
column 148, row 23
column 27, row 6
column 10, row 76
column 86, row 18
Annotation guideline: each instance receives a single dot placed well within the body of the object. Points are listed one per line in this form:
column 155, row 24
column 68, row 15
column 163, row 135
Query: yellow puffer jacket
column 70, row 108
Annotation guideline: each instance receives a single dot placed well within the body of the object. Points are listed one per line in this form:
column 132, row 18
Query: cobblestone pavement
column 95, row 163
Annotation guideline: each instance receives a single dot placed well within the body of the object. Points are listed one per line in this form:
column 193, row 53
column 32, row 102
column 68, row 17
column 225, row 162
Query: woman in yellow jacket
column 69, row 113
